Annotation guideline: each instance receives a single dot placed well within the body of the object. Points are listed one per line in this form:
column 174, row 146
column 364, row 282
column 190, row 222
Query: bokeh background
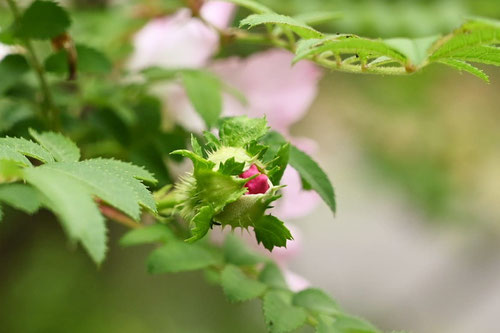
column 415, row 244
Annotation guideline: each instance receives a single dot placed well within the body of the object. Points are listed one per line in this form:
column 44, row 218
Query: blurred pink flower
column 4, row 51
column 180, row 40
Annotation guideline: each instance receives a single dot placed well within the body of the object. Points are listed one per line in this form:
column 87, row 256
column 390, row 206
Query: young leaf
column 415, row 50
column 345, row 323
column 62, row 148
column 301, row 29
column 316, row 300
column 149, row 234
column 463, row 66
column 196, row 146
column 237, row 253
column 12, row 69
column 89, row 60
column 240, row 131
column 217, row 190
column 238, row 287
column 200, row 224
column 281, row 316
column 204, row 92
column 198, row 161
column 43, row 20
column 231, row 167
column 481, row 54
column 74, row 206
column 313, row 175
column 177, row 256
column 20, row 196
column 271, row 232
column 278, row 165
column 27, row 147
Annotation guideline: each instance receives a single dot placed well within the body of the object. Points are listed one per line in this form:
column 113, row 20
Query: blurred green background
column 416, row 164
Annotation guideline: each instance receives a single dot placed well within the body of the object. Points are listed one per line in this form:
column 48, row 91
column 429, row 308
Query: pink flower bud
column 258, row 185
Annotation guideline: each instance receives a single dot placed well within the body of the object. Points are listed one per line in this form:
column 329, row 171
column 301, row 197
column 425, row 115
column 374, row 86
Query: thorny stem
column 118, row 217
column 49, row 112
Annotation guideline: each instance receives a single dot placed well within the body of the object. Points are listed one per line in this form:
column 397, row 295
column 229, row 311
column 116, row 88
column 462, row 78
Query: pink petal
column 272, row 86
column 219, row 13
column 174, row 41
column 295, row 281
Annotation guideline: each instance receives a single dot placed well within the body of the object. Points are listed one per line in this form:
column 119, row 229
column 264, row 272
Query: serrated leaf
column 177, row 256
column 204, row 92
column 43, row 20
column 238, row 287
column 218, row 190
column 9, row 154
column 416, row 50
column 316, row 300
column 212, row 141
column 74, row 206
column 149, row 234
column 198, row 161
column 201, row 223
column 28, row 148
column 272, row 276
column 240, row 131
column 251, row 5
column 196, row 146
column 301, row 29
column 126, row 169
column 463, row 66
column 231, row 167
column 10, row 170
column 271, row 232
column 278, row 165
column 314, row 175
column 481, row 54
column 20, row 196
column 89, row 60
column 12, row 69
column 62, row 148
column 238, row 253
column 281, row 316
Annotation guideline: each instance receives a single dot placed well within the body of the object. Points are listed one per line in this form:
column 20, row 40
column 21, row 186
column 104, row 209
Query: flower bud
column 258, row 185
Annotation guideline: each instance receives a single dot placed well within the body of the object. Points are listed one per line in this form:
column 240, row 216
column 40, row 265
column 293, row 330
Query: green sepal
column 201, row 223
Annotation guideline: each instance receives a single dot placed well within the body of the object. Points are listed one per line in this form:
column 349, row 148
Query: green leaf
column 316, row 18
column 198, row 161
column 201, row 223
column 212, row 141
column 463, row 66
column 316, row 300
column 271, row 232
column 74, row 206
column 178, row 256
column 204, row 92
column 325, row 324
column 89, row 60
column 20, row 196
column 238, row 287
column 9, row 154
column 149, row 234
column 314, row 175
column 416, row 50
column 236, row 252
column 272, row 276
column 27, row 147
column 196, row 146
column 13, row 112
column 10, row 170
column 62, row 148
column 218, row 190
column 240, row 131
column 348, row 324
column 251, row 5
column 43, row 20
column 12, row 69
column 281, row 316
column 301, row 29
column 231, row 167
column 481, row 54
column 278, row 165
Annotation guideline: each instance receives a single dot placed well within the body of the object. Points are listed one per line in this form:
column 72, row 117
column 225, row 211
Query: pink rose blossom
column 258, row 185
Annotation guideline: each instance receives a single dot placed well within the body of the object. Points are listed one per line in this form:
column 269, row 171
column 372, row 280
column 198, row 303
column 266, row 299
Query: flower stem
column 50, row 112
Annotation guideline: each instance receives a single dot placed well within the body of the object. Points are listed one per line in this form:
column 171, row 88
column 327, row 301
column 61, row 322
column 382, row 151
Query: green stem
column 50, row 112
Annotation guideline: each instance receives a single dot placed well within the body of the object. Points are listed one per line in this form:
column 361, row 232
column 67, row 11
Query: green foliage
column 20, row 196
column 12, row 69
column 301, row 29
column 204, row 92
column 313, row 175
column 280, row 314
column 238, row 287
column 89, row 60
column 201, row 223
column 272, row 276
column 43, row 20
column 271, row 232
column 463, row 66
column 177, row 256
column 316, row 301
column 240, row 131
column 62, row 148
column 237, row 253
column 28, row 148
column 251, row 5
